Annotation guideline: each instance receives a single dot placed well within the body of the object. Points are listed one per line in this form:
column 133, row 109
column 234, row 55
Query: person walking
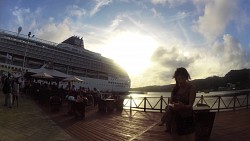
column 181, row 103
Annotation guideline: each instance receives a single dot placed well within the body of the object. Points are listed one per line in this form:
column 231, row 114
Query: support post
column 130, row 108
column 161, row 104
column 219, row 104
column 247, row 99
column 145, row 104
column 234, row 100
column 202, row 99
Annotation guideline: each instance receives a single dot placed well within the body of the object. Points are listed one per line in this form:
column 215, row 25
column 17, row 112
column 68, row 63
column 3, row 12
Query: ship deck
column 32, row 121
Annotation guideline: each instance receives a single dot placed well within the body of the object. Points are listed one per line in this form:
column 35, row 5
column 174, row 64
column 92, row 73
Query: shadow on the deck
column 114, row 125
column 228, row 126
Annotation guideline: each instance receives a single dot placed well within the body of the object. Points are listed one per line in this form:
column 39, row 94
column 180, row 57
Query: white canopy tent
column 72, row 79
column 51, row 72
column 42, row 75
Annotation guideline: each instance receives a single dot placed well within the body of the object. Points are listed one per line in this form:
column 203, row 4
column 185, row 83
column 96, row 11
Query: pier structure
column 32, row 121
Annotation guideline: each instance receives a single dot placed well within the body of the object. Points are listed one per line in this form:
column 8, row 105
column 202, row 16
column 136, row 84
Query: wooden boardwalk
column 32, row 121
column 119, row 126
column 115, row 126
column 228, row 126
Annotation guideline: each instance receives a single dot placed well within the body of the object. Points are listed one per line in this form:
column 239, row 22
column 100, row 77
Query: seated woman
column 167, row 118
column 182, row 100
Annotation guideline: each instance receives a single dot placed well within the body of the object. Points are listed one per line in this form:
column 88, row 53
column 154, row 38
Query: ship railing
column 216, row 103
column 27, row 37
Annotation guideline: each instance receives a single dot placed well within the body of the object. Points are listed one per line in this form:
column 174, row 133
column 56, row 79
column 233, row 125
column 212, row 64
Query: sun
column 131, row 50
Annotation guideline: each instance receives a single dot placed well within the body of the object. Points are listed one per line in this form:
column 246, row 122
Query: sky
column 147, row 38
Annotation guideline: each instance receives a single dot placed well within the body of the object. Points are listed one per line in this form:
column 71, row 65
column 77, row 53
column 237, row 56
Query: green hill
column 234, row 79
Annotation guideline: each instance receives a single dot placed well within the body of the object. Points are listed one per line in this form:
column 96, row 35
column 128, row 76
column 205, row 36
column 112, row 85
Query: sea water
column 153, row 100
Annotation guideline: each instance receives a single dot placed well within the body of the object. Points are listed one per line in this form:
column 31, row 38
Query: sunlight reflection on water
column 153, row 99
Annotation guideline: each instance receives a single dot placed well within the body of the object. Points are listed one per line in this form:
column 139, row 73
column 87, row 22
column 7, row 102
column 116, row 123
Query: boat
column 21, row 53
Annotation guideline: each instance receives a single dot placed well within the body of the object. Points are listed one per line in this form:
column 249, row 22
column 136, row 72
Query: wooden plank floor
column 37, row 122
column 115, row 126
column 228, row 126
column 119, row 126
column 232, row 126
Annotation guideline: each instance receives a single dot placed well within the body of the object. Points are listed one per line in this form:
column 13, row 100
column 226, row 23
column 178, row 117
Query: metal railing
column 215, row 102
column 24, row 37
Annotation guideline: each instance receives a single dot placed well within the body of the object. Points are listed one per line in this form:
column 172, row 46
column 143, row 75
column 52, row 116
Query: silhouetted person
column 7, row 89
column 182, row 99
column 15, row 91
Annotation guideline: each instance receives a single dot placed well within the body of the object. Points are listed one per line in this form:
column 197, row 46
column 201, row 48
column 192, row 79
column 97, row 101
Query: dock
column 32, row 121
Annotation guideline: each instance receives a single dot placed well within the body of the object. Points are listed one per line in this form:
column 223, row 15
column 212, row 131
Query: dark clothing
column 79, row 109
column 78, row 106
column 184, row 125
column 7, row 86
column 167, row 117
column 183, row 122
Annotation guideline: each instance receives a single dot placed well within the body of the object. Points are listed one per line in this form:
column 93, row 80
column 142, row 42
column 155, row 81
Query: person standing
column 7, row 89
column 181, row 103
column 15, row 92
column 22, row 86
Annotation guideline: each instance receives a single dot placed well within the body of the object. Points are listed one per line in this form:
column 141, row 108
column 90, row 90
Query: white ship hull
column 19, row 53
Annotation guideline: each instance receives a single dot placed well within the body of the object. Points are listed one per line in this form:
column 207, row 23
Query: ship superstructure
column 20, row 52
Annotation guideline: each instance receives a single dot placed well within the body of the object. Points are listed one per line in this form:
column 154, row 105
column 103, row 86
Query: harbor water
column 217, row 99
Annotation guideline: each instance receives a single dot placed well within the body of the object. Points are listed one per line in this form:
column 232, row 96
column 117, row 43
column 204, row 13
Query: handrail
column 215, row 102
column 10, row 33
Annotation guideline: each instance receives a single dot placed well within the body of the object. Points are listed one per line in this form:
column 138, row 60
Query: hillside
column 234, row 79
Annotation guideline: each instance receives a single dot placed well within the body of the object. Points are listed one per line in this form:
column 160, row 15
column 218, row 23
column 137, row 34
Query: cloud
column 20, row 14
column 217, row 15
column 26, row 18
column 204, row 59
column 99, row 5
column 158, row 1
column 169, row 2
column 116, row 23
column 207, row 60
column 231, row 54
column 201, row 62
column 155, row 75
column 157, row 14
column 54, row 32
column 172, row 58
column 164, row 62
column 76, row 11
column 242, row 21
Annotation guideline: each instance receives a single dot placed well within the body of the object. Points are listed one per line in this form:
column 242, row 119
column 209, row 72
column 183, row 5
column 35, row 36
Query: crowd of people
column 50, row 92
column 11, row 88
column 47, row 92
column 179, row 116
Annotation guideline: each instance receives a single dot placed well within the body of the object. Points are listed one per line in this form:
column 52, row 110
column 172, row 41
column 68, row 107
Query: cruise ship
column 22, row 53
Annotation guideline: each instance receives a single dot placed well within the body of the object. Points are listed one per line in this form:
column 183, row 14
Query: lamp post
column 25, row 53
column 24, row 59
column 19, row 30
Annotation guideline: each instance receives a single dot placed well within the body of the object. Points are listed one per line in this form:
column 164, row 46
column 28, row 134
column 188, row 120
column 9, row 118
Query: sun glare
column 132, row 51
